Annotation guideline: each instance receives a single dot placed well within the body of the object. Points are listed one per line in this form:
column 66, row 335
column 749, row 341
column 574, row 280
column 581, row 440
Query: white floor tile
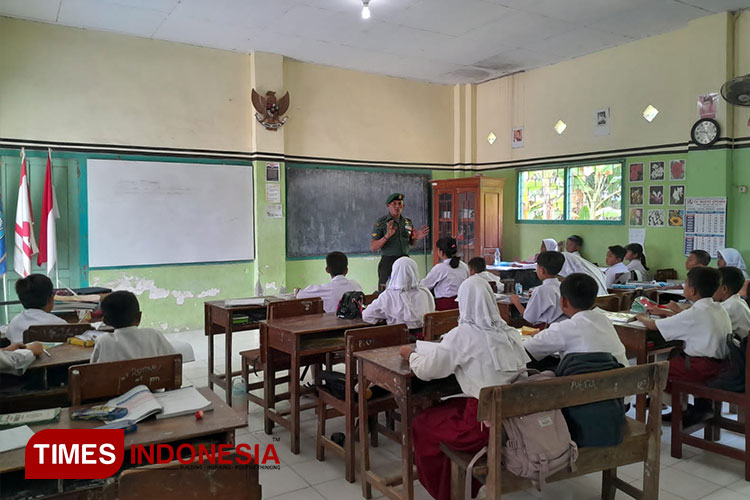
column 742, row 487
column 315, row 472
column 340, row 489
column 712, row 467
column 725, row 494
column 277, row 482
column 685, row 485
column 305, row 494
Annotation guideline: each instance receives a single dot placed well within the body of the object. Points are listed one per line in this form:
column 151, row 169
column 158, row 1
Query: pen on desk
column 47, row 353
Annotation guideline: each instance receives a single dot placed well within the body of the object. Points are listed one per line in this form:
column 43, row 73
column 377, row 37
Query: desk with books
column 217, row 426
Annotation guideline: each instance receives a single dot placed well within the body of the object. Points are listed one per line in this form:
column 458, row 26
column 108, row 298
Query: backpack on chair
column 351, row 305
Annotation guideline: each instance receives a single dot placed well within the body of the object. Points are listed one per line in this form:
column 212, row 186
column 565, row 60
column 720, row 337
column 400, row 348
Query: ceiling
column 444, row 41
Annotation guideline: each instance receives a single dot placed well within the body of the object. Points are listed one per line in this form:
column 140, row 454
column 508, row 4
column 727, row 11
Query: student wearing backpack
column 337, row 265
column 481, row 351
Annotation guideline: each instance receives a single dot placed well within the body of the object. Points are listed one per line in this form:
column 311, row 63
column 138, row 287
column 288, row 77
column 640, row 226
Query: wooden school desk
column 386, row 368
column 297, row 336
column 46, row 397
column 217, row 321
column 217, row 425
column 506, row 309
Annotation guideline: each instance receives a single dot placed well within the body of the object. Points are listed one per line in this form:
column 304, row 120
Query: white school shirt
column 586, row 331
column 15, row 362
column 444, row 280
column 739, row 314
column 130, row 343
column 330, row 292
column 704, row 328
column 641, row 274
column 575, row 264
column 27, row 318
column 544, row 304
column 492, row 278
column 610, row 275
column 392, row 307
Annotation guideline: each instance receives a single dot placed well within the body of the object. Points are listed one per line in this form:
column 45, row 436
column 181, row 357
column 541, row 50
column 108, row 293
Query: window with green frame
column 575, row 193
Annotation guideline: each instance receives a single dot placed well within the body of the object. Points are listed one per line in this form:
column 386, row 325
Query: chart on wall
column 705, row 224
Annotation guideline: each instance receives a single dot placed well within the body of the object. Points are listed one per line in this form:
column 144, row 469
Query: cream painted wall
column 67, row 84
column 338, row 113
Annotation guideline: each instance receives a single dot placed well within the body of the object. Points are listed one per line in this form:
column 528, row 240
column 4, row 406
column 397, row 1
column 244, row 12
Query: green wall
column 739, row 203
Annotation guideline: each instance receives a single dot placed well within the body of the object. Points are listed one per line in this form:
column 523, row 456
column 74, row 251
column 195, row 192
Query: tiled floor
column 698, row 475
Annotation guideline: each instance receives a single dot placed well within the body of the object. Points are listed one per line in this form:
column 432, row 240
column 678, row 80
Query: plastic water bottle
column 497, row 257
column 519, row 289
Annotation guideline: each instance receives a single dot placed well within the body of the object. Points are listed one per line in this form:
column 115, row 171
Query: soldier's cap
column 394, row 197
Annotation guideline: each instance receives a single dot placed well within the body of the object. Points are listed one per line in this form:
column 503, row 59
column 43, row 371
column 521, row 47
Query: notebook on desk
column 141, row 403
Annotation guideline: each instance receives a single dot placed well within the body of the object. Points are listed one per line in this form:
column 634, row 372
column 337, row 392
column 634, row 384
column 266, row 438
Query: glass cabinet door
column 467, row 202
column 445, row 214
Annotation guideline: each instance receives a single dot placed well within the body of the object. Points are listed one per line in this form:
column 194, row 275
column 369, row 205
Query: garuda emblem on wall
column 269, row 110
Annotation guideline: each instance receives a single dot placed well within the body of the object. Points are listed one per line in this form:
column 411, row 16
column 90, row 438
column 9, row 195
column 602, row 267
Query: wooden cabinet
column 470, row 210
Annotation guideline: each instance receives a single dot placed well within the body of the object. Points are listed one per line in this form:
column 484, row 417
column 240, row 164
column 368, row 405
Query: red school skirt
column 453, row 422
column 685, row 368
column 446, row 303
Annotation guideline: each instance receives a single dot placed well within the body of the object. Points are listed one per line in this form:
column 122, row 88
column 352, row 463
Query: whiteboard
column 144, row 212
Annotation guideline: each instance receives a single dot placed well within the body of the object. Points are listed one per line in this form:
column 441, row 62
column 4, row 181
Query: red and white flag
column 25, row 241
column 47, row 228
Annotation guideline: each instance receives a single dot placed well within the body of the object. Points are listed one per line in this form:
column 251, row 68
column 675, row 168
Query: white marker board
column 145, row 213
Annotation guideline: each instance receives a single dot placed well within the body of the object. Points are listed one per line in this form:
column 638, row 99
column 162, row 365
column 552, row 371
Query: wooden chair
column 665, row 274
column 438, row 323
column 329, row 406
column 174, row 481
column 608, row 302
column 370, row 298
column 253, row 358
column 641, row 442
column 54, row 333
column 97, row 381
column 712, row 427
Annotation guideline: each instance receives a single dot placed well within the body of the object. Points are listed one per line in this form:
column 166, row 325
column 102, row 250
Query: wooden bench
column 54, row 333
column 329, row 406
column 608, row 302
column 98, row 381
column 438, row 323
column 641, row 442
column 713, row 426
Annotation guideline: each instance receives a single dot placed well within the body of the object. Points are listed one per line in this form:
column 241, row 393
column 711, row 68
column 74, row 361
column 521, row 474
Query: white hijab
column 550, row 244
column 404, row 290
column 479, row 315
column 733, row 258
column 577, row 264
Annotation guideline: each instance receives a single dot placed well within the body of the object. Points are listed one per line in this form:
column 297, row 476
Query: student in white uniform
column 478, row 267
column 587, row 330
column 615, row 255
column 121, row 311
column 704, row 328
column 37, row 296
column 15, row 358
column 573, row 245
column 576, row 264
column 729, row 257
column 447, row 275
column 548, row 245
column 337, row 265
column 697, row 258
column 404, row 300
column 735, row 306
column 481, row 351
column 544, row 304
column 637, row 261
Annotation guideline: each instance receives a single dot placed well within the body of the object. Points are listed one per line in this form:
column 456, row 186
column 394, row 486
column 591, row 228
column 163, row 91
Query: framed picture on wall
column 636, row 195
column 656, row 171
column 636, row 216
column 636, row 172
column 676, row 217
column 516, row 139
column 677, row 194
column 677, row 170
column 656, row 218
column 656, row 195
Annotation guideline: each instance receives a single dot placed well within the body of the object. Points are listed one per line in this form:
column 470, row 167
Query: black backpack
column 350, row 305
column 733, row 378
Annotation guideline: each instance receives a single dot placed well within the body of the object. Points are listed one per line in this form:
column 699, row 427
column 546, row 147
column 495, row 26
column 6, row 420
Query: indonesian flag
column 25, row 241
column 47, row 230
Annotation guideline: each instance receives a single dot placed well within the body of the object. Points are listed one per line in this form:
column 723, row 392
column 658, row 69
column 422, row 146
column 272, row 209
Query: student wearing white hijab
column 548, row 245
column 481, row 351
column 729, row 257
column 404, row 300
column 576, row 264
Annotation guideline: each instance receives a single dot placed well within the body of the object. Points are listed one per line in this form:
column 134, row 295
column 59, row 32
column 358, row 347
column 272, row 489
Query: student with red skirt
column 447, row 275
column 481, row 351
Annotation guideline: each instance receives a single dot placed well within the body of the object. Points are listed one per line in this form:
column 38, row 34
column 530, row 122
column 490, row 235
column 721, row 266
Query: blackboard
column 335, row 209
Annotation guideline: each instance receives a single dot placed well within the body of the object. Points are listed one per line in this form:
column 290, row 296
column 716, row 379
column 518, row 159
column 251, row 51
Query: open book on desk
column 141, row 403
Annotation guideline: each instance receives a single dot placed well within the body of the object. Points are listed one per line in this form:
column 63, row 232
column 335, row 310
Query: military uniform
column 397, row 245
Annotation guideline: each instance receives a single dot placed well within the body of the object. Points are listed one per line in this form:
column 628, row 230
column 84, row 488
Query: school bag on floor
column 351, row 305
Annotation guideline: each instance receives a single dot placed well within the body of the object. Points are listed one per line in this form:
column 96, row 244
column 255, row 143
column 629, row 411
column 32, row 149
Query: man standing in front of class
column 393, row 235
